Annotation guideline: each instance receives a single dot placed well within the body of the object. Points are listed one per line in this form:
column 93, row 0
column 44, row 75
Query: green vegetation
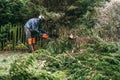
column 11, row 36
column 74, row 16
column 5, row 60
column 42, row 65
column 88, row 46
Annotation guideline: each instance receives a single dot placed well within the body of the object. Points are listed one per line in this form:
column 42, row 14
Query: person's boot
column 30, row 47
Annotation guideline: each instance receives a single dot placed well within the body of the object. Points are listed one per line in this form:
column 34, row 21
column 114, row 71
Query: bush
column 30, row 68
column 104, row 46
column 5, row 77
column 108, row 47
column 59, row 47
column 43, row 66
column 108, row 27
column 20, row 69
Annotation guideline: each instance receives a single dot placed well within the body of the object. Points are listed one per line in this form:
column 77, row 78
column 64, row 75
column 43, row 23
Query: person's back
column 33, row 24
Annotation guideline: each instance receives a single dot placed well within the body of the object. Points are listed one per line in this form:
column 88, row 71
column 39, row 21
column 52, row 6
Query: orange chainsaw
column 49, row 36
column 44, row 36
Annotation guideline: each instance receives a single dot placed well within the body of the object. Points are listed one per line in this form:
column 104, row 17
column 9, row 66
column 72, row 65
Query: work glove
column 40, row 33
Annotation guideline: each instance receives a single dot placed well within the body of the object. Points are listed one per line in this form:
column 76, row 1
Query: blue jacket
column 33, row 24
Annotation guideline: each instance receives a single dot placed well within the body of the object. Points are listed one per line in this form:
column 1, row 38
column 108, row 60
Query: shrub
column 30, row 68
column 104, row 46
column 5, row 77
column 108, row 47
column 84, row 66
column 108, row 27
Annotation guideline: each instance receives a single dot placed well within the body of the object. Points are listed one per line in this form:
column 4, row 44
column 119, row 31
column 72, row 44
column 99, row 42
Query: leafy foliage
column 66, row 13
column 13, row 11
column 31, row 68
column 19, row 11
column 73, row 66
column 103, row 46
column 100, row 61
column 21, row 69
column 108, row 27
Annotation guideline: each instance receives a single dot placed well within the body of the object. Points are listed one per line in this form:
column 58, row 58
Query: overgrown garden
column 87, row 46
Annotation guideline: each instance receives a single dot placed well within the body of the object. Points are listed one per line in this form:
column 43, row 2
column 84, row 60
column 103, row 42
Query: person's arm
column 43, row 31
column 40, row 32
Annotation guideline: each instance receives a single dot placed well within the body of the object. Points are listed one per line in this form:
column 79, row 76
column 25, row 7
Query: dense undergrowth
column 66, row 59
column 89, row 65
column 89, row 55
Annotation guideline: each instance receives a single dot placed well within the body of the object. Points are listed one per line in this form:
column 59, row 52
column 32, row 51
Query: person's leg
column 34, row 34
column 29, row 40
column 33, row 43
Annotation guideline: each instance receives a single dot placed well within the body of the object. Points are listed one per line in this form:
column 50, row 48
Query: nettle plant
column 108, row 20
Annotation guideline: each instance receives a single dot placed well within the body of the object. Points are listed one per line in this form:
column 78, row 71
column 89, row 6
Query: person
column 31, row 28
